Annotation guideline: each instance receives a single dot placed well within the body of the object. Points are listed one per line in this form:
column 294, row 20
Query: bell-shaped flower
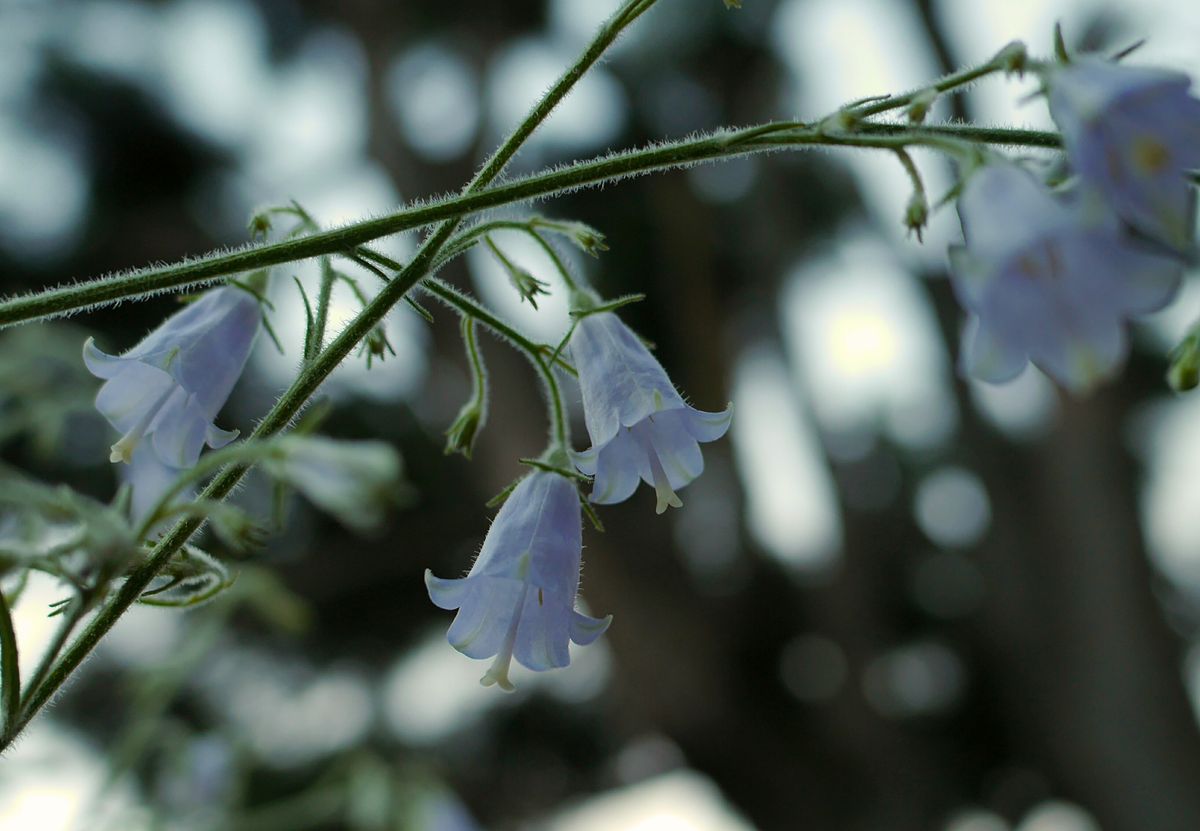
column 148, row 479
column 168, row 388
column 353, row 480
column 1048, row 280
column 1133, row 133
column 640, row 427
column 518, row 601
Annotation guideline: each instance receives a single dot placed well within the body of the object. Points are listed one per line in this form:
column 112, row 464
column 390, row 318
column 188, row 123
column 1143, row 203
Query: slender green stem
column 558, row 413
column 465, row 305
column 311, row 377
column 473, row 310
column 66, row 626
column 478, row 372
column 10, row 669
column 954, row 80
column 324, row 296
column 87, row 294
column 568, row 280
column 246, row 452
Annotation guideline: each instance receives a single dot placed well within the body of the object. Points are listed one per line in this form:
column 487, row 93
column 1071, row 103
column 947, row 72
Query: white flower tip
column 498, row 675
column 666, row 498
column 122, row 451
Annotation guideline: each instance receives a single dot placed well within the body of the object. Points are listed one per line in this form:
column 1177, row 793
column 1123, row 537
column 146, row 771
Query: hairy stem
column 716, row 145
column 469, row 308
column 10, row 671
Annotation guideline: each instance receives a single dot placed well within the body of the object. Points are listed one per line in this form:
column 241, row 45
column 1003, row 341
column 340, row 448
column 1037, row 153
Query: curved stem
column 10, row 670
column 1001, row 61
column 568, row 280
column 88, row 294
column 469, row 308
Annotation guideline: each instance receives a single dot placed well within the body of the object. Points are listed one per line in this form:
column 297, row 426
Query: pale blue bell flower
column 353, row 480
column 640, row 427
column 169, row 387
column 1133, row 133
column 148, row 479
column 1050, row 280
column 518, row 601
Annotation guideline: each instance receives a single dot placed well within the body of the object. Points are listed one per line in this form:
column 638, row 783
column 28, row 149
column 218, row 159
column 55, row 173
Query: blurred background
column 895, row 599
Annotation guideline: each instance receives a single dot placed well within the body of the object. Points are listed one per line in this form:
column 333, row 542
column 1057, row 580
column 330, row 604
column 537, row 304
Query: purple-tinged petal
column 677, row 449
column 704, row 426
column 129, row 395
column 179, row 431
column 447, row 594
column 479, row 628
column 585, row 629
column 640, row 427
column 543, row 632
column 148, row 479
column 170, row 386
column 586, row 461
column 620, row 466
column 1133, row 133
column 621, row 381
column 100, row 364
column 1059, row 297
column 519, row 599
column 988, row 357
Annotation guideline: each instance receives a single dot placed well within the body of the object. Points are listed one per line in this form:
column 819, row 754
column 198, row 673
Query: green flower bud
column 461, row 435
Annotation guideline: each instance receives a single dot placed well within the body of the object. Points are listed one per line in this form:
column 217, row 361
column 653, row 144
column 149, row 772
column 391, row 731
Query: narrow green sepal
column 1060, row 44
column 526, row 285
column 500, row 498
column 608, row 305
column 419, row 309
column 1184, row 372
column 539, row 464
column 590, row 512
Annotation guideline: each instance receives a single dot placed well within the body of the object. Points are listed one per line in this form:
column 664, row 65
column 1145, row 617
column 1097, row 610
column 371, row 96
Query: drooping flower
column 353, row 480
column 148, row 479
column 169, row 387
column 641, row 428
column 518, row 601
column 1048, row 279
column 1132, row 133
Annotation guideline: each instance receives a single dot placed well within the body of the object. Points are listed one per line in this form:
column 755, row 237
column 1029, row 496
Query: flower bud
column 587, row 238
column 920, row 106
column 461, row 435
column 259, row 225
column 916, row 214
column 1014, row 58
column 353, row 480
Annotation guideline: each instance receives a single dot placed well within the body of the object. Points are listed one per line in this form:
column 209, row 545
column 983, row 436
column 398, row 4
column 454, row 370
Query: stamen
column 122, row 450
column 498, row 672
column 662, row 483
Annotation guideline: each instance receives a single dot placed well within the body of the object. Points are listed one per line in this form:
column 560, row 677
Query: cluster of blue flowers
column 518, row 601
column 1053, row 276
column 1048, row 275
